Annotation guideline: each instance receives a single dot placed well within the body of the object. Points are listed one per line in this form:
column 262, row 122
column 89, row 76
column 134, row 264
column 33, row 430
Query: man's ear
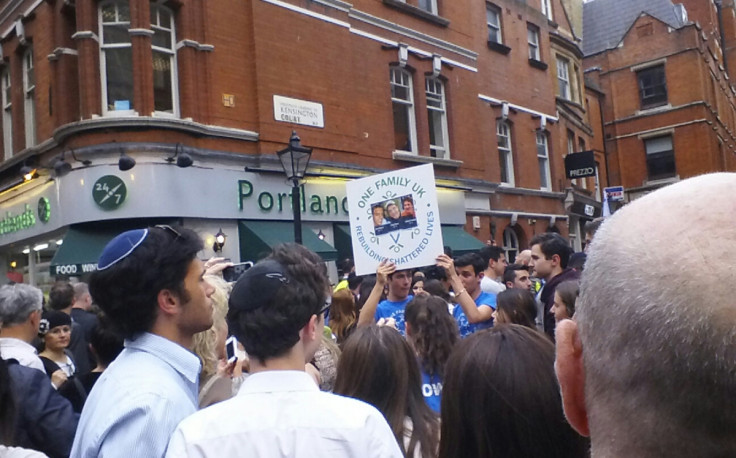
column 509, row 284
column 571, row 375
column 168, row 302
column 309, row 332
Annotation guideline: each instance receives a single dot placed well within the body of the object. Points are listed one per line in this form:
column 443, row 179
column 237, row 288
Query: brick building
column 668, row 109
column 490, row 93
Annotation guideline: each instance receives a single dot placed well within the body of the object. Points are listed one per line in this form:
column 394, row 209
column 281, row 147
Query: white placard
column 297, row 111
column 395, row 216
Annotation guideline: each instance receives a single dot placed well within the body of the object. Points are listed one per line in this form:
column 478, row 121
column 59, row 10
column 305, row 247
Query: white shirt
column 491, row 286
column 283, row 414
column 23, row 352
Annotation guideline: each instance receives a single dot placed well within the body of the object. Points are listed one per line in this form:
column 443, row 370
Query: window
column 437, row 114
column 493, row 19
column 547, row 9
column 403, row 107
column 116, row 59
column 660, row 157
column 510, row 244
column 29, row 91
column 571, row 149
column 505, row 157
column 543, row 158
column 581, row 148
column 563, row 78
column 532, row 37
column 164, row 60
column 7, row 114
column 429, row 6
column 652, row 87
column 597, row 182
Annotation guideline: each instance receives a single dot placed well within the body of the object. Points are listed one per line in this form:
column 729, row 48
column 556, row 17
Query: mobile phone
column 233, row 273
column 231, row 348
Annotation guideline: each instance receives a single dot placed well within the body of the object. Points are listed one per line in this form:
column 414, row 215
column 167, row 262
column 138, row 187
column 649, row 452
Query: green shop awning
column 460, row 241
column 343, row 241
column 83, row 244
column 258, row 237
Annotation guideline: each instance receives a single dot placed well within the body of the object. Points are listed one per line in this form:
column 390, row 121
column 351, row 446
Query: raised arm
column 474, row 313
column 368, row 312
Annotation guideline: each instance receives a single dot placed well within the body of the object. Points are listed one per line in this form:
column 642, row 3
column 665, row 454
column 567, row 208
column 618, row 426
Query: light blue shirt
column 139, row 400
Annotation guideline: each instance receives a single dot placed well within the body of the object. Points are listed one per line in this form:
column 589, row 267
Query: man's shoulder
column 486, row 299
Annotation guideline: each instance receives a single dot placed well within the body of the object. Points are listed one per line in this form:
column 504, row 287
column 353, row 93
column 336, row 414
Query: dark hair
column 435, row 273
column 354, row 281
column 552, row 244
column 61, row 295
column 369, row 281
column 569, row 291
column 491, row 252
column 379, row 367
column 518, row 305
column 272, row 330
column 437, row 288
column 591, row 227
column 345, row 266
column 128, row 291
column 433, row 332
column 577, row 261
column 342, row 313
column 416, row 279
column 501, row 399
column 106, row 345
column 7, row 406
column 472, row 259
column 509, row 273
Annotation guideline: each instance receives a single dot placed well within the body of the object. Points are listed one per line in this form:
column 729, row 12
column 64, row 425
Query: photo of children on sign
column 394, row 217
column 388, row 217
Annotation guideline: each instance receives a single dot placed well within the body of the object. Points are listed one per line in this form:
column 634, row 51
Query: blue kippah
column 120, row 247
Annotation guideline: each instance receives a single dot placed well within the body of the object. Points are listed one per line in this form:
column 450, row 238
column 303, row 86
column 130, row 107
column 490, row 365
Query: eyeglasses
column 166, row 227
column 328, row 303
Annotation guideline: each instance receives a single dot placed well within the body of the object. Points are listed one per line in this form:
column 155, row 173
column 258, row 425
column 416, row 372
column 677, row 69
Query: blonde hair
column 204, row 343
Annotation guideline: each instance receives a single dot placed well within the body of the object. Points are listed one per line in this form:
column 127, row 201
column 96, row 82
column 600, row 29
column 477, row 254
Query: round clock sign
column 109, row 192
column 44, row 209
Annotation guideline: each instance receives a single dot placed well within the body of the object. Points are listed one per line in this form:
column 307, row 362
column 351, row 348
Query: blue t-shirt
column 467, row 328
column 432, row 390
column 388, row 309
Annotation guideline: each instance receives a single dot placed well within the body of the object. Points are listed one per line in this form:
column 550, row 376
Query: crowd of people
column 557, row 354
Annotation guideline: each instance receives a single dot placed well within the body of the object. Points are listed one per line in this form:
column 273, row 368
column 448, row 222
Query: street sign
column 614, row 193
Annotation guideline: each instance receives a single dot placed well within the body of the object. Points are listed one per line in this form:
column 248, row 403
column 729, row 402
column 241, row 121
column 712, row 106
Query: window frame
column 29, row 98
column 563, row 64
column 7, row 101
column 444, row 149
column 506, row 154
column 547, row 9
column 103, row 58
column 581, row 147
column 510, row 243
column 171, row 52
column 668, row 155
column 432, row 4
column 407, row 103
column 535, row 51
column 655, row 100
column 543, row 161
column 497, row 27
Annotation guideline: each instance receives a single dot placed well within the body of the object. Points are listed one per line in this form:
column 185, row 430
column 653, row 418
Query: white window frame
column 563, row 78
column 506, row 156
column 510, row 244
column 156, row 27
column 547, row 9
column 403, row 78
column 543, row 160
column 7, row 113
column 103, row 62
column 495, row 11
column 581, row 147
column 532, row 38
column 435, row 91
column 429, row 6
column 571, row 150
column 597, row 182
column 29, row 97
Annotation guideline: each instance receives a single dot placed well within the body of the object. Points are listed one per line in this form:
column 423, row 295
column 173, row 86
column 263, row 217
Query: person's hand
column 446, row 263
column 58, row 378
column 384, row 269
column 388, row 322
column 226, row 369
column 214, row 266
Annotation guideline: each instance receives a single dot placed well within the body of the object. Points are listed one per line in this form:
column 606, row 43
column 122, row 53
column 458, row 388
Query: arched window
column 510, row 244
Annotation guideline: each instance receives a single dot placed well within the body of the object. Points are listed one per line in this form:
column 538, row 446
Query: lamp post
column 295, row 160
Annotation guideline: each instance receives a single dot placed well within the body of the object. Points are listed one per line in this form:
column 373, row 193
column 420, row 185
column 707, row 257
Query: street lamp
column 295, row 160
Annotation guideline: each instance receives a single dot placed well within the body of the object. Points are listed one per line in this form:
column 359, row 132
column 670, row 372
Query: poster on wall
column 395, row 216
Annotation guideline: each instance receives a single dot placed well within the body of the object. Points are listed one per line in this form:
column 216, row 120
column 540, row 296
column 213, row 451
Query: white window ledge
column 411, row 157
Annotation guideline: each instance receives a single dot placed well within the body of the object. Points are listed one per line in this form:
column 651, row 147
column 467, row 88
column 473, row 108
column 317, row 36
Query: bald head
column 657, row 325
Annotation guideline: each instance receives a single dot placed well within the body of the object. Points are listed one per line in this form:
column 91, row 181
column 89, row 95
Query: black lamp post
column 295, row 160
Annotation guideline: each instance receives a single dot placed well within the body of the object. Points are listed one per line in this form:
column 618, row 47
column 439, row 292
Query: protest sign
column 395, row 216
